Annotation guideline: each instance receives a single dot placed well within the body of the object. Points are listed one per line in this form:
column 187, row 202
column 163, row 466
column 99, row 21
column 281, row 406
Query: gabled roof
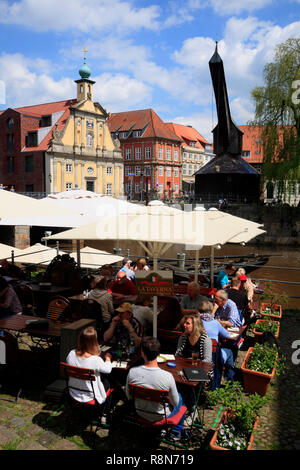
column 187, row 134
column 226, row 164
column 138, row 120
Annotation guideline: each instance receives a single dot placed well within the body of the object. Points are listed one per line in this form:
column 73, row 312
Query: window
column 160, row 153
column 128, row 154
column 192, row 143
column 168, row 171
column 148, row 152
column 109, row 170
column 122, row 135
column 89, row 140
column 109, row 188
column 90, row 170
column 168, row 154
column 190, row 170
column 32, row 139
column 176, row 155
column 68, row 167
column 10, row 123
column 137, row 133
column 127, row 170
column 246, row 153
column 137, row 188
column 29, row 164
column 176, row 187
column 137, row 170
column 29, row 188
column 68, row 186
column 160, row 171
column 138, row 153
column 183, row 170
column 257, row 152
column 195, row 168
column 160, row 188
column 10, row 141
column 127, row 187
column 148, row 170
column 10, row 164
column 176, row 172
column 90, row 124
column 46, row 121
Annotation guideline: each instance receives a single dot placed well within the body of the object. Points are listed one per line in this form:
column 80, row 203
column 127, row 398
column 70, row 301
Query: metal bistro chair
column 91, row 410
column 164, row 423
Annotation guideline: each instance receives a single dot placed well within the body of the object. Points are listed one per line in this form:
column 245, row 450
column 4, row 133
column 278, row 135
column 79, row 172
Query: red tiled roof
column 137, row 120
column 187, row 134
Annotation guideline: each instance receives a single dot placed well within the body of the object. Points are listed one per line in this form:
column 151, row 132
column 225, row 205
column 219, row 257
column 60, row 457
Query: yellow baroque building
column 82, row 153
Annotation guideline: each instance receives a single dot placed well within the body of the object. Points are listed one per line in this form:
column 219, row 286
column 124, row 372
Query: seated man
column 123, row 327
column 222, row 281
column 238, row 296
column 122, row 287
column 143, row 313
column 225, row 310
column 151, row 376
column 9, row 301
column 191, row 301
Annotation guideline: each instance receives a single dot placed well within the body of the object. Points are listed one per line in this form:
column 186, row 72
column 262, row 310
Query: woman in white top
column 87, row 356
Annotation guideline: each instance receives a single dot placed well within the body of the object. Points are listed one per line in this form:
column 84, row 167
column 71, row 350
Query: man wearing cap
column 123, row 327
column 130, row 274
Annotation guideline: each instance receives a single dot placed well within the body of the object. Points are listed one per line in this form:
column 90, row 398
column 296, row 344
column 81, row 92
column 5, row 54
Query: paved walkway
column 32, row 423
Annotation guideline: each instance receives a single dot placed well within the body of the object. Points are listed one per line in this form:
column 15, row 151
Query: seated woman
column 194, row 339
column 87, row 356
column 9, row 301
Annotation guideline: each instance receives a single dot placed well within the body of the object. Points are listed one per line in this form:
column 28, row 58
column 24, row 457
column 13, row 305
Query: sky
column 142, row 53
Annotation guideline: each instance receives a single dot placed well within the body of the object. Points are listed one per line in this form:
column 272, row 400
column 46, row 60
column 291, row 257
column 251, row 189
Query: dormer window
column 192, row 143
column 10, row 123
column 46, row 121
column 31, row 139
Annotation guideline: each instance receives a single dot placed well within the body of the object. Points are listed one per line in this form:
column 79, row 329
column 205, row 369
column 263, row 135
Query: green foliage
column 272, row 297
column 264, row 358
column 243, row 408
column 277, row 109
column 266, row 325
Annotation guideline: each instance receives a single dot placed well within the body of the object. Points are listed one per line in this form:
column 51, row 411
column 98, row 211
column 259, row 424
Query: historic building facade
column 58, row 146
column 151, row 154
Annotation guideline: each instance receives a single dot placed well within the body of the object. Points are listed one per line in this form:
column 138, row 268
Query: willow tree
column 277, row 109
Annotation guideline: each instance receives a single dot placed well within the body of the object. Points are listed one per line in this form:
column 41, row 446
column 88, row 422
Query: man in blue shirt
column 222, row 281
column 130, row 274
column 225, row 310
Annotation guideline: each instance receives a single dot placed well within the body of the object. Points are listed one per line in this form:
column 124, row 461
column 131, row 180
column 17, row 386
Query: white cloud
column 203, row 122
column 229, row 7
column 79, row 15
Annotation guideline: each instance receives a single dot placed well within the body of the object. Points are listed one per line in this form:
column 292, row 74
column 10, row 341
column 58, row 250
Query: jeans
column 178, row 428
column 228, row 362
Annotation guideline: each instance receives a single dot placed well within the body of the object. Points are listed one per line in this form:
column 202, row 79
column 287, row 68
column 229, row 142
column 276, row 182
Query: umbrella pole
column 196, row 265
column 212, row 262
column 78, row 252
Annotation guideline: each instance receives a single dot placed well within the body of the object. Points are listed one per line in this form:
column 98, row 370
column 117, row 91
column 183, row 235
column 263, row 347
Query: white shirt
column 92, row 362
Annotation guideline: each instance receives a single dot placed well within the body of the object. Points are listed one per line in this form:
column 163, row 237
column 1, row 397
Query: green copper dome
column 84, row 71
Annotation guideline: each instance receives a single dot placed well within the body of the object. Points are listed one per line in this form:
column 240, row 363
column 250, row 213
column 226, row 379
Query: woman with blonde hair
column 194, row 339
column 86, row 355
column 247, row 285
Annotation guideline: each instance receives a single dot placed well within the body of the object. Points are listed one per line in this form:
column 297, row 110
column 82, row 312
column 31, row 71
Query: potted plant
column 273, row 305
column 239, row 420
column 265, row 325
column 259, row 367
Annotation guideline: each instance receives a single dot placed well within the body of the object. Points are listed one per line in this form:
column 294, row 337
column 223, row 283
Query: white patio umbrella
column 93, row 258
column 162, row 226
column 37, row 254
column 16, row 205
column 6, row 251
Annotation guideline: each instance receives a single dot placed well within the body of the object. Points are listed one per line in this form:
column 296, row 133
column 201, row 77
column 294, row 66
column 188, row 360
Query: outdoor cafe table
column 18, row 323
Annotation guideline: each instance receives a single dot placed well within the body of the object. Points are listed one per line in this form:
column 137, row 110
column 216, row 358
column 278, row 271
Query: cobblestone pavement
column 35, row 423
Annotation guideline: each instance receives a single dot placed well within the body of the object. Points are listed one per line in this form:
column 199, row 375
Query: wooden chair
column 91, row 410
column 163, row 422
column 57, row 308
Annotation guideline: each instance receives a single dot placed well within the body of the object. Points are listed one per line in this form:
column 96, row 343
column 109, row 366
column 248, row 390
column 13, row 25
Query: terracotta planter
column 258, row 334
column 255, row 382
column 275, row 307
column 224, row 419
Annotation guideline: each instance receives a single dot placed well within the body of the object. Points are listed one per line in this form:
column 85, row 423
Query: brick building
column 151, row 153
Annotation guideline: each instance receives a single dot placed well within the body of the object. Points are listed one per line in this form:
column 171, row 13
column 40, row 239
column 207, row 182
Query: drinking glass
column 195, row 356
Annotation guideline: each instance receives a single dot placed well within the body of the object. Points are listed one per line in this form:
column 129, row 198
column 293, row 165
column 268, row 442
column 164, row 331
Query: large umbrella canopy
column 37, row 254
column 79, row 208
column 5, row 251
column 163, row 226
column 17, row 205
column 93, row 258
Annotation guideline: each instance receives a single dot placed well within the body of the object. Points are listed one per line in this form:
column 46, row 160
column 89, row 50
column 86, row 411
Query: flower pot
column 258, row 334
column 255, row 382
column 224, row 419
column 277, row 307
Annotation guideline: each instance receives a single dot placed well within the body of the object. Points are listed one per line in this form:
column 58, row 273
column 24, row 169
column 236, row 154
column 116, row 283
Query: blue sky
column 142, row 53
